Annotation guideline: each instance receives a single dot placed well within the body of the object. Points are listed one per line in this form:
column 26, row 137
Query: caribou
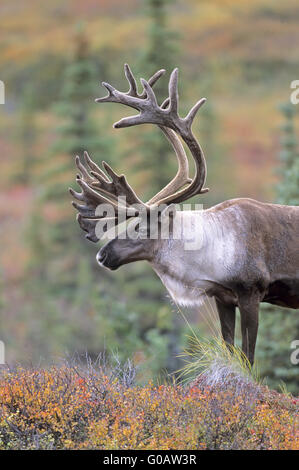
column 245, row 252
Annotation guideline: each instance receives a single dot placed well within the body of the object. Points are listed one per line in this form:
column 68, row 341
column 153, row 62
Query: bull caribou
column 248, row 251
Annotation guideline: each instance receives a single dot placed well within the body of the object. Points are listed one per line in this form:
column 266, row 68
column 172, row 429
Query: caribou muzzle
column 107, row 258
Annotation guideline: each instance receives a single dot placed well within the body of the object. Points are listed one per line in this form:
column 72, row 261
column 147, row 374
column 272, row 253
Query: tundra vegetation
column 83, row 405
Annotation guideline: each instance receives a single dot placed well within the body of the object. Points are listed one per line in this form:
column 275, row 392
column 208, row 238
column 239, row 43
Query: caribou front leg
column 249, row 311
column 227, row 317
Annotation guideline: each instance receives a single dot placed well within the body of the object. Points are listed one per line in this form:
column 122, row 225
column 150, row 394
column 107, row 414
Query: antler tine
column 150, row 95
column 192, row 113
column 121, row 187
column 82, row 169
column 90, row 226
column 93, row 196
column 115, row 96
column 153, row 80
column 173, row 92
column 93, row 166
column 133, row 91
column 110, row 97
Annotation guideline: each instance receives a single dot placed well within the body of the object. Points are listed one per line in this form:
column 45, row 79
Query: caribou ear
column 169, row 212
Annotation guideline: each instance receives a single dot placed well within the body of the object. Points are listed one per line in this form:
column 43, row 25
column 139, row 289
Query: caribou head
column 98, row 190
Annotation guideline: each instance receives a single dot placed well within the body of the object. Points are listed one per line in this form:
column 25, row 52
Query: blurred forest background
column 241, row 55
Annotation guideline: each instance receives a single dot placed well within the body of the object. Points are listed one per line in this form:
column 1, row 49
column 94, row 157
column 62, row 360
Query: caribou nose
column 101, row 256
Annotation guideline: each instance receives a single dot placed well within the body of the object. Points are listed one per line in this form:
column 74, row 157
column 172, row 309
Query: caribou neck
column 188, row 274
